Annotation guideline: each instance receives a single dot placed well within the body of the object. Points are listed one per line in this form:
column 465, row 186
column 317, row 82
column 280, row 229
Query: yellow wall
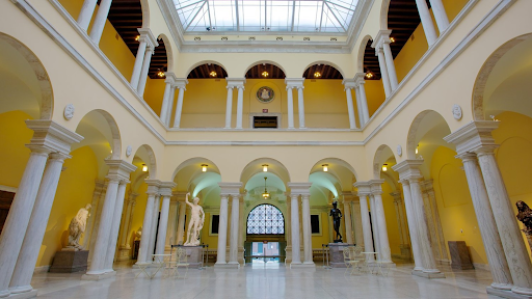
column 212, row 241
column 75, row 191
column 14, row 135
column 391, row 219
column 458, row 218
column 374, row 95
column 317, row 240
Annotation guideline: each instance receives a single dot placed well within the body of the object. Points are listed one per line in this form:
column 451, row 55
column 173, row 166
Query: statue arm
column 186, row 200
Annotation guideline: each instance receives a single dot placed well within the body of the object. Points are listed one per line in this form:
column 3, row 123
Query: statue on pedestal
column 337, row 217
column 525, row 216
column 77, row 228
column 197, row 218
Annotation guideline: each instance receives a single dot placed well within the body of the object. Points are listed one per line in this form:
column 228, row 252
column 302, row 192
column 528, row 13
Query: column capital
column 119, row 169
column 364, row 188
column 51, row 136
column 467, row 157
column 360, row 78
column 299, row 188
column 230, row 188
column 165, row 188
column 170, row 78
column 382, row 37
column 376, row 186
column 153, row 186
column 147, row 36
column 294, row 82
column 180, row 83
column 235, row 82
column 409, row 169
column 474, row 136
column 349, row 83
column 396, row 195
column 347, row 195
column 180, row 195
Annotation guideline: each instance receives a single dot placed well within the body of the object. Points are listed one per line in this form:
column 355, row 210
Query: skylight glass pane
column 222, row 15
column 279, row 15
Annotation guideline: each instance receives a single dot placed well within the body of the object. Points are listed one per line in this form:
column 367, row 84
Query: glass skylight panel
column 266, row 15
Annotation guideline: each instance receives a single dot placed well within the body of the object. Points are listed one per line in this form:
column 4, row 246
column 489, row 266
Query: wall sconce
column 417, row 149
column 369, row 75
column 384, row 167
column 265, row 167
column 325, row 167
column 144, row 167
column 204, row 167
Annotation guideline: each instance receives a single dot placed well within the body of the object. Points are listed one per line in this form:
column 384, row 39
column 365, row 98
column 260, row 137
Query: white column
column 512, row 239
column 290, row 102
column 115, row 226
column 154, row 225
column 20, row 282
column 97, row 265
column 390, row 66
column 410, row 217
column 359, row 106
column 350, row 108
column 85, row 15
column 360, row 81
column 153, row 188
column 229, row 107
column 171, row 231
column 181, row 222
column 307, row 231
column 486, row 223
column 301, row 106
column 348, row 225
column 294, row 223
column 179, row 106
column 222, row 231
column 127, row 222
column 139, row 59
column 384, row 71
column 384, row 253
column 375, row 226
column 99, row 21
column 426, row 21
column 167, row 97
column 241, row 232
column 437, row 220
column 240, row 106
column 99, row 189
column 18, row 218
column 357, row 222
column 145, row 70
column 366, row 226
column 163, row 224
column 440, row 15
column 233, row 242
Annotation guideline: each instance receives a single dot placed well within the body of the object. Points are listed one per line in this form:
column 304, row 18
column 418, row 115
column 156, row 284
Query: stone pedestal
column 194, row 256
column 461, row 260
column 336, row 255
column 70, row 261
column 124, row 254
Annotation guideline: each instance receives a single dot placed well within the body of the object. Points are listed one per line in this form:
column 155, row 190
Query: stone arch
column 169, row 53
column 424, row 123
column 105, row 123
column 337, row 161
column 485, row 72
column 382, row 154
column 34, row 69
column 261, row 62
column 146, row 153
column 383, row 20
column 362, row 52
column 195, row 65
column 339, row 69
column 145, row 6
column 274, row 166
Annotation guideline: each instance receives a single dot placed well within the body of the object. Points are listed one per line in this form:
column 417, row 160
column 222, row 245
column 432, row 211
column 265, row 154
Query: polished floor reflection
column 268, row 279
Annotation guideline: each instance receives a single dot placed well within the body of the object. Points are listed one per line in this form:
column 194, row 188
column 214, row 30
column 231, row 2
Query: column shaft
column 426, row 21
column 385, row 254
column 290, row 102
column 412, row 226
column 115, row 226
column 181, row 222
column 440, row 15
column 390, row 66
column 222, row 231
column 240, row 107
column 20, row 282
column 146, row 229
column 166, row 101
column 229, row 107
column 99, row 21
column 144, row 72
column 85, row 15
column 486, row 222
column 296, row 258
column 364, row 102
column 384, row 72
column 233, row 242
column 357, row 222
column 97, row 265
column 171, row 231
column 163, row 225
column 139, row 59
column 154, row 226
column 307, row 231
column 179, row 108
column 348, row 225
column 301, row 107
column 375, row 226
column 366, row 226
column 350, row 109
column 511, row 237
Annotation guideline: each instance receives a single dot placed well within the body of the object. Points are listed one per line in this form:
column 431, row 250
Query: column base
column 227, row 266
column 99, row 276
column 429, row 275
column 241, row 260
column 501, row 293
column 25, row 295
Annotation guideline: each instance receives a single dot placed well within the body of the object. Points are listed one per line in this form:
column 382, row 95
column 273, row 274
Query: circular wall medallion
column 457, row 112
column 68, row 113
column 265, row 94
column 399, row 150
column 129, row 149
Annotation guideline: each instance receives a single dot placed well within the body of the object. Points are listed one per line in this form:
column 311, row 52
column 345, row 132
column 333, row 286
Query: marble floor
column 266, row 280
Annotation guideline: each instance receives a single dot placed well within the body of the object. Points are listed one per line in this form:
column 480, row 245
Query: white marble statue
column 77, row 227
column 197, row 218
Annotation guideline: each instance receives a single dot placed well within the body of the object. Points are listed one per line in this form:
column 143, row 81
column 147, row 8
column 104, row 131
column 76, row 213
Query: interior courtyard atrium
column 265, row 149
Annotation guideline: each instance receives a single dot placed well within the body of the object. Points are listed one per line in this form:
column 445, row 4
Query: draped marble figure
column 77, row 227
column 197, row 218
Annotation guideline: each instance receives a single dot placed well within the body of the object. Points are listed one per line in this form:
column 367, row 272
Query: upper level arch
column 383, row 160
column 207, row 69
column 265, row 69
column 323, row 70
column 147, row 157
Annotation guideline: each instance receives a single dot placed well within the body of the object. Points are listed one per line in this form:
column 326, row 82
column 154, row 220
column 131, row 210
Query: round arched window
column 265, row 219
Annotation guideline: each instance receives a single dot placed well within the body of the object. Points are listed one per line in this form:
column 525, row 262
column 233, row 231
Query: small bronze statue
column 525, row 215
column 337, row 216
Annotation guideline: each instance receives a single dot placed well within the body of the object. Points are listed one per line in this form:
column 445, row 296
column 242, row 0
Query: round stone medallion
column 265, row 94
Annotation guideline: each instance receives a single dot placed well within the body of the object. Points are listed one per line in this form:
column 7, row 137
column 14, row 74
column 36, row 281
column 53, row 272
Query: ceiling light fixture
column 369, row 75
column 417, row 149
column 265, row 167
column 144, row 167
column 204, row 167
column 265, row 74
column 265, row 195
column 325, row 167
column 160, row 74
column 317, row 75
column 137, row 38
column 392, row 39
column 384, row 167
column 213, row 74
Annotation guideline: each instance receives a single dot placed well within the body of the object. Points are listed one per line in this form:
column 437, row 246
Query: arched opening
column 265, row 230
column 265, row 71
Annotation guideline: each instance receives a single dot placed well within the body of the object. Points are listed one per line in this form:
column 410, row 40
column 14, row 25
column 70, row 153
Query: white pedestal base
column 428, row 275
column 124, row 254
column 25, row 295
column 105, row 275
column 227, row 266
column 501, row 293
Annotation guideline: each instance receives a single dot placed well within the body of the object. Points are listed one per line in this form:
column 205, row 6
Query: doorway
column 265, row 244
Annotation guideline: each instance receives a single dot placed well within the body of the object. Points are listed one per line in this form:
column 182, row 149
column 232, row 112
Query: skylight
column 332, row 16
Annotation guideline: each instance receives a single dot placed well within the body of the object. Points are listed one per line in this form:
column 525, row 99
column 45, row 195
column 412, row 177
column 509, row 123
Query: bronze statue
column 337, row 216
column 525, row 215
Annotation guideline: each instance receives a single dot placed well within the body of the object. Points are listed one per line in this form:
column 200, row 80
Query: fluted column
column 290, row 103
column 362, row 100
column 384, row 253
column 294, row 223
column 85, row 15
column 350, row 85
column 99, row 21
column 229, row 107
column 153, row 189
column 181, row 85
column 166, row 192
column 115, row 225
column 364, row 189
column 240, row 106
column 347, row 218
column 440, row 15
column 307, row 230
column 301, row 106
column 168, row 97
column 233, row 241
column 426, row 21
column 29, row 252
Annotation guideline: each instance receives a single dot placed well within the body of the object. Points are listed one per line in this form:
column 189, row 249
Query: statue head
column 335, row 204
column 196, row 200
column 522, row 206
column 88, row 206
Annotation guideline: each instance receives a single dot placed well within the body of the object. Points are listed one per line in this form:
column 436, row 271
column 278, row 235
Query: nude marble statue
column 77, row 227
column 197, row 218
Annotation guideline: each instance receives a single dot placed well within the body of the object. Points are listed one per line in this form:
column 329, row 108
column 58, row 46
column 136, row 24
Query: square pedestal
column 460, row 258
column 336, row 255
column 194, row 256
column 70, row 261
